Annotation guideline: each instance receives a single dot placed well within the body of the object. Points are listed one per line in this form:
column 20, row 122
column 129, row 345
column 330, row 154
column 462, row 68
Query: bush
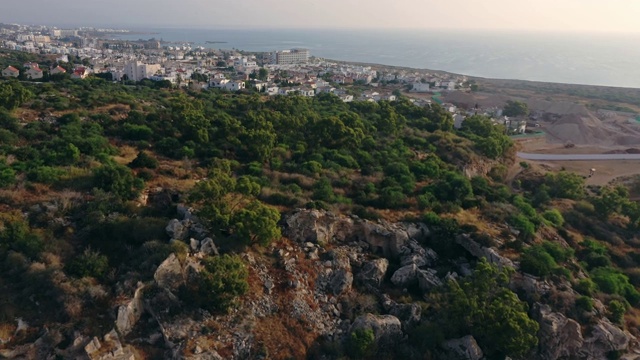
column 536, row 261
column 584, row 303
column 585, row 287
column 90, row 263
column 7, row 175
column 617, row 309
column 612, row 281
column 361, row 343
column 554, row 217
column 144, row 160
column 118, row 180
column 217, row 287
column 45, row 174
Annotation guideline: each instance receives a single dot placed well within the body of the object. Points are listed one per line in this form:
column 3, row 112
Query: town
column 82, row 52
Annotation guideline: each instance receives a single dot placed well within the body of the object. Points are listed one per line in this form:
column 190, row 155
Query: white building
column 137, row 70
column 34, row 73
column 10, row 71
column 420, row 87
column 289, row 57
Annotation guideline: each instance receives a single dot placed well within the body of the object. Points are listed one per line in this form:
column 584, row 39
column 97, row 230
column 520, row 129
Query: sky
column 540, row 15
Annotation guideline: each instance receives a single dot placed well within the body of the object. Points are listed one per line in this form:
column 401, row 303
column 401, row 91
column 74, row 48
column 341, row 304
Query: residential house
column 57, row 70
column 10, row 71
column 420, row 87
column 34, row 73
column 218, row 83
column 234, row 85
column 79, row 73
column 448, row 85
column 346, row 98
column 273, row 90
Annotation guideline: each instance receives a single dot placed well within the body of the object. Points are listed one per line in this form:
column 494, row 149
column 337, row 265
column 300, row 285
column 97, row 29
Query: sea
column 589, row 59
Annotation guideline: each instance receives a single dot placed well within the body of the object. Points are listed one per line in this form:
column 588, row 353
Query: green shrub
column 7, row 175
column 218, row 286
column 585, row 286
column 118, row 180
column 584, row 303
column 90, row 263
column 617, row 309
column 45, row 174
column 536, row 261
column 144, row 160
column 612, row 281
column 554, row 217
column 361, row 343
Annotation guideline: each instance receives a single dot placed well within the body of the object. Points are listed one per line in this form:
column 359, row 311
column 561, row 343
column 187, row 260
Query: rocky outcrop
column 480, row 251
column 414, row 253
column 386, row 328
column 428, row 280
column 342, row 277
column 169, row 274
column 177, row 229
column 130, row 313
column 373, row 272
column 322, row 227
column 604, row 339
column 207, row 247
column 465, row 348
column 405, row 276
column 110, row 349
column 408, row 314
column 558, row 336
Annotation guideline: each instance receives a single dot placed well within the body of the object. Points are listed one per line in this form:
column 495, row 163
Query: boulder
column 408, row 314
column 317, row 227
column 480, row 251
column 373, row 272
column 176, row 229
column 130, row 313
column 194, row 244
column 341, row 281
column 416, row 231
column 559, row 337
column 464, row 348
column 386, row 328
column 428, row 279
column 169, row 274
column 342, row 278
column 384, row 238
column 405, row 276
column 413, row 253
column 207, row 247
column 604, row 339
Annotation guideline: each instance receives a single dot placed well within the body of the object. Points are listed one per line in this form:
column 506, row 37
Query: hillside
column 146, row 223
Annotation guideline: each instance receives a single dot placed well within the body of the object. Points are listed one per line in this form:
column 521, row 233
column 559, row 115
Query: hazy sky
column 543, row 15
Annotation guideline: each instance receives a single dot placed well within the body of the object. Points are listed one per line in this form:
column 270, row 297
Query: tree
column 565, row 185
column 516, row 108
column 144, row 160
column 483, row 305
column 217, row 287
column 118, row 180
column 610, row 201
column 13, row 94
column 7, row 175
column 256, row 223
column 263, row 74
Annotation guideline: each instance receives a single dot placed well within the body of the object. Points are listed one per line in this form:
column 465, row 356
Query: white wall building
column 289, row 57
column 420, row 87
column 137, row 70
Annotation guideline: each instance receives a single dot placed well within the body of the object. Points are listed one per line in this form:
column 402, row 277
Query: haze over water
column 600, row 59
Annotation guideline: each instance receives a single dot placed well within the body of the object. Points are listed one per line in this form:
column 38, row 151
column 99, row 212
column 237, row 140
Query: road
column 577, row 157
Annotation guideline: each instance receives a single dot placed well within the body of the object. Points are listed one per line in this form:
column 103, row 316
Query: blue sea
column 590, row 59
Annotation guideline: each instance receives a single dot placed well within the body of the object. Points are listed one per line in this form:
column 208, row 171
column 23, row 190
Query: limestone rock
column 405, row 276
column 194, row 244
column 465, row 348
column 169, row 274
column 207, row 247
column 604, row 338
column 428, row 279
column 384, row 238
column 558, row 336
column 341, row 281
column 317, row 227
column 130, row 313
column 408, row 314
column 176, row 229
column 480, row 251
column 373, row 272
column 386, row 328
